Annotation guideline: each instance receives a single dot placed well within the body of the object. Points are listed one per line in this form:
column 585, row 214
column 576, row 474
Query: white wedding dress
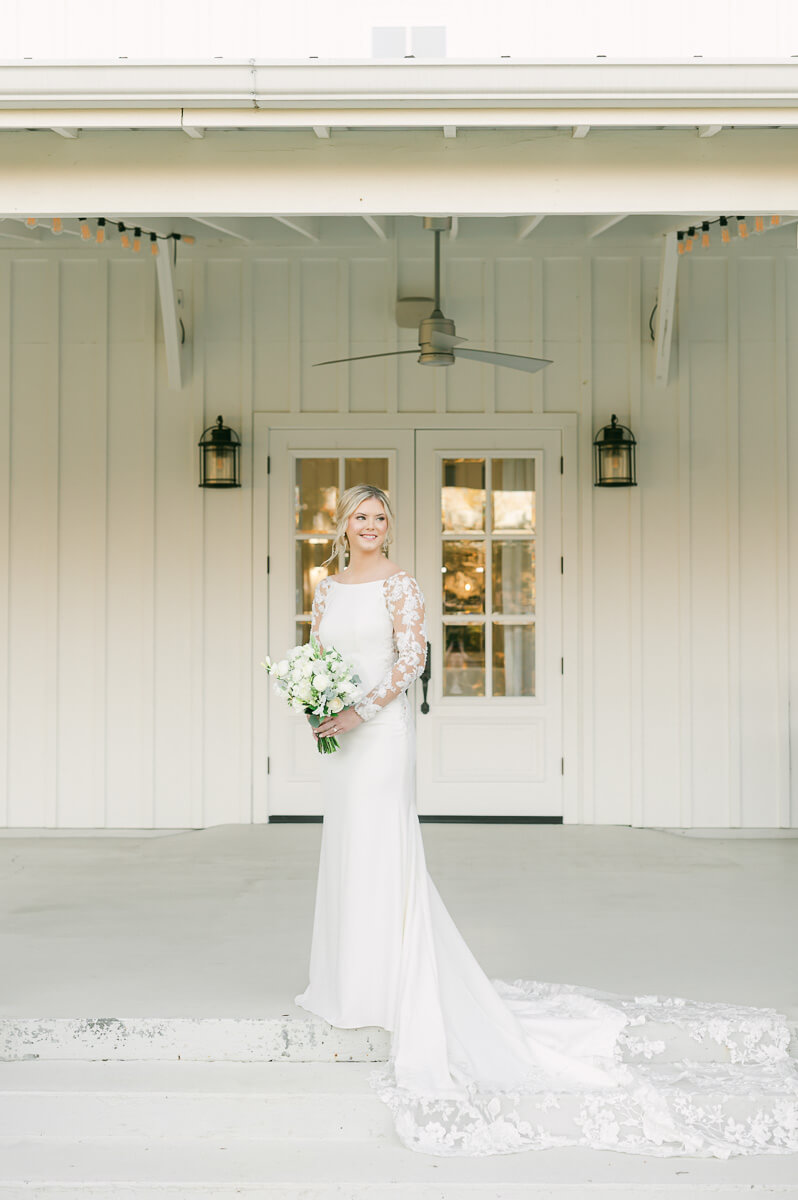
column 480, row 1066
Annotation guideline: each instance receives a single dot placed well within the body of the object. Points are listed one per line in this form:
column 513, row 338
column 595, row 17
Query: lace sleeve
column 405, row 603
column 318, row 606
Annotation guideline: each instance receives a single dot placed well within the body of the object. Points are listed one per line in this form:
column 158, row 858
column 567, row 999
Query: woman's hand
column 340, row 722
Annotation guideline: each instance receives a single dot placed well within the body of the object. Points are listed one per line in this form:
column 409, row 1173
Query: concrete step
column 224, row 1168
column 254, row 1101
column 288, row 1039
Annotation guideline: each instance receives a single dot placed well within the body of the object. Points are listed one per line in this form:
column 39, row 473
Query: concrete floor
column 217, row 922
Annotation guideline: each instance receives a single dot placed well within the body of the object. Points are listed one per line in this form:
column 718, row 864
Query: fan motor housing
column 430, row 356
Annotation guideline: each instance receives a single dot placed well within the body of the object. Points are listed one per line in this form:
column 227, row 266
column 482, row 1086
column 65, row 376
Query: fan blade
column 518, row 362
column 444, row 341
column 358, row 357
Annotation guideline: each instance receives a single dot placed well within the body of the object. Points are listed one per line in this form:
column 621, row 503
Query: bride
column 480, row 1066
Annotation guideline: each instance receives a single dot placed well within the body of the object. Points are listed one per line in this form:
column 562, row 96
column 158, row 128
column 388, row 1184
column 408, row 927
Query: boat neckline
column 363, row 582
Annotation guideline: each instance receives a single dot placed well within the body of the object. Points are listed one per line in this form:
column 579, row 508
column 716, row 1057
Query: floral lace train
column 691, row 1078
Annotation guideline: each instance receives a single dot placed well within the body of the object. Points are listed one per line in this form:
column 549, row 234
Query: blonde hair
column 348, row 503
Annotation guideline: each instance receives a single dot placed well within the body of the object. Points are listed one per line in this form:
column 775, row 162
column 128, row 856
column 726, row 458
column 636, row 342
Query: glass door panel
column 505, row 546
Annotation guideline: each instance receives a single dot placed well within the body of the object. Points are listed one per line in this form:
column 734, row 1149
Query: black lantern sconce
column 614, row 456
column 219, row 449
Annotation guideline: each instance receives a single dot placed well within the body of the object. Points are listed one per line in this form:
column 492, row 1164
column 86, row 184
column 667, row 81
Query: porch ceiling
column 362, row 232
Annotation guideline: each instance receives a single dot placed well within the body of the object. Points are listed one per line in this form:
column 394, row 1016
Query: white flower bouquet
column 315, row 682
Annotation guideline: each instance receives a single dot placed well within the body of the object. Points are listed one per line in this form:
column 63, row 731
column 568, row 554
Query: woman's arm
column 406, row 605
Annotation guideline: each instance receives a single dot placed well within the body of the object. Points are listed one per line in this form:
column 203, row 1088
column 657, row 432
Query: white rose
column 299, row 705
column 336, row 705
column 282, row 668
column 305, row 668
column 305, row 692
column 321, row 681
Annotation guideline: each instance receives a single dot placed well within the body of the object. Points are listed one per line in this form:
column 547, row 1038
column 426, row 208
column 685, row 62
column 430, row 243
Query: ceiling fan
column 437, row 341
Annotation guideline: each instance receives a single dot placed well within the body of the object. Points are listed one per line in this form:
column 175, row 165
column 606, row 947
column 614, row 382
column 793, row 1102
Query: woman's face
column 367, row 527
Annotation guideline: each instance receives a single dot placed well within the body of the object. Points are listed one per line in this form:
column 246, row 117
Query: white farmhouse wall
column 243, row 29
column 126, row 676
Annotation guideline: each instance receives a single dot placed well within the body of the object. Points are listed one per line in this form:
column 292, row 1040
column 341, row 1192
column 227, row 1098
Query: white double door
column 479, row 524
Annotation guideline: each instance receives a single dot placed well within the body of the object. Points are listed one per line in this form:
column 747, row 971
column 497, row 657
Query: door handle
column 425, row 678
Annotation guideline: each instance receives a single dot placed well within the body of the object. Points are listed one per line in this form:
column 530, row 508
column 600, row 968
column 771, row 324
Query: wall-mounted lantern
column 614, row 456
column 219, row 449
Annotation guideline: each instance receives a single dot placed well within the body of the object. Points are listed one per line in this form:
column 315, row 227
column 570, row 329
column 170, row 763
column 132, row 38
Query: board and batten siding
column 130, row 647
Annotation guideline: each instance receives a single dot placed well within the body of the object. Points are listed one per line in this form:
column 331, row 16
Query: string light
column 104, row 223
column 684, row 237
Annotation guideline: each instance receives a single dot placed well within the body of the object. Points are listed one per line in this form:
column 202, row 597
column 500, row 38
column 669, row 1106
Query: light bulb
column 742, row 228
column 759, row 224
column 724, row 229
column 774, row 220
column 188, row 239
column 680, row 241
column 85, row 232
column 136, row 240
column 57, row 225
column 31, row 222
column 153, row 243
column 705, row 234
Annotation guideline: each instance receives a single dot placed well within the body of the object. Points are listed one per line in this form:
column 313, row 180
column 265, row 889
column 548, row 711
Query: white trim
column 366, row 83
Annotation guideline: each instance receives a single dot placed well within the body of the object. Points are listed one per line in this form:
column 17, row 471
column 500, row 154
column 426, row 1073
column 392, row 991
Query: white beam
column 231, row 226
column 750, row 171
column 66, row 131
column 666, row 307
column 194, row 131
column 321, row 131
column 171, row 321
column 382, row 226
column 604, row 223
column 450, row 131
column 580, row 131
column 307, row 226
column 527, row 224
column 708, row 130
column 9, row 228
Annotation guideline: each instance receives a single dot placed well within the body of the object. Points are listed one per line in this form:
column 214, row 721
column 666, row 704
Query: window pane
column 513, row 660
column 464, row 660
column 463, row 495
column 302, row 633
column 513, row 493
column 310, row 554
column 463, row 577
column 514, row 577
column 366, row 470
column 316, row 494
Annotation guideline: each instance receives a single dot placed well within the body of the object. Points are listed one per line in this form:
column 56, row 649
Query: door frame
column 263, row 423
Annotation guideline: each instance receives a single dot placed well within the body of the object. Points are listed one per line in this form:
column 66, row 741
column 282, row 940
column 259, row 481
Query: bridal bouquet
column 315, row 682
